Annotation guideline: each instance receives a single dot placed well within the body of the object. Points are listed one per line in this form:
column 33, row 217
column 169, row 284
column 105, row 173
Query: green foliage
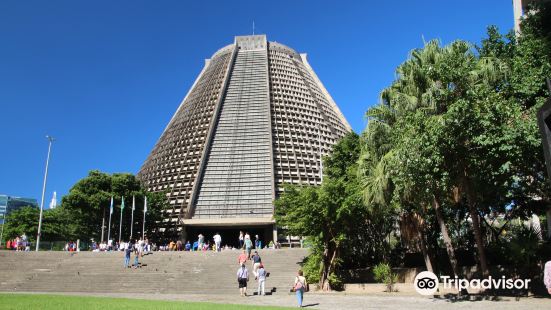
column 382, row 273
column 330, row 214
column 22, row 221
column 517, row 247
column 89, row 199
column 311, row 266
column 458, row 125
column 80, row 213
column 454, row 136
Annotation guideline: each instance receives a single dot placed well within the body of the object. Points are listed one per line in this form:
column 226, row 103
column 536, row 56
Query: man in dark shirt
column 256, row 263
column 127, row 253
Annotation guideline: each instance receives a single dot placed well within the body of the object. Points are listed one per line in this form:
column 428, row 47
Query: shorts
column 242, row 282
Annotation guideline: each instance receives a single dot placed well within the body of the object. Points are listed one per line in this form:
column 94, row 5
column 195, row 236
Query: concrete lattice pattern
column 257, row 117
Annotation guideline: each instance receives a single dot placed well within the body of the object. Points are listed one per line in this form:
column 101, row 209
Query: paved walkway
column 335, row 301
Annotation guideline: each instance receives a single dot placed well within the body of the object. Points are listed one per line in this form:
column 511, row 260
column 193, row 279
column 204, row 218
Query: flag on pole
column 120, row 225
column 144, row 212
column 111, row 208
column 132, row 221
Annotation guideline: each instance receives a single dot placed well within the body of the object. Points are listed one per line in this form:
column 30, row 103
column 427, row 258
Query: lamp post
column 50, row 140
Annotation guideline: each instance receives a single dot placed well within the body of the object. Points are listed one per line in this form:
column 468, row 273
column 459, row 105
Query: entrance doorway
column 229, row 234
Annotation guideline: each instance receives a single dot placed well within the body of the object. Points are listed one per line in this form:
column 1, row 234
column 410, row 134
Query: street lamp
column 50, row 140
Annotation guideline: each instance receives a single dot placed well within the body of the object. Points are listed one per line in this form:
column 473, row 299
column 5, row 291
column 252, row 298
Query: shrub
column 383, row 274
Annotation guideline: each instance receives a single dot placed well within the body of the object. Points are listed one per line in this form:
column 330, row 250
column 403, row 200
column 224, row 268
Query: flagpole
column 110, row 213
column 144, row 212
column 132, row 222
column 120, row 222
column 102, row 225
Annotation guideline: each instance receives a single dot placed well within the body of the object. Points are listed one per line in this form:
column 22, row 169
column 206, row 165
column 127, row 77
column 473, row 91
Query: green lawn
column 58, row 302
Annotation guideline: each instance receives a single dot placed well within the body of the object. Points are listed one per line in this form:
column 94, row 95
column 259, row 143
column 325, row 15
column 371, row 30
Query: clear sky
column 105, row 77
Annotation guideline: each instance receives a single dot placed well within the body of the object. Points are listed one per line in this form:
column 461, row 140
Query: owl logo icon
column 426, row 283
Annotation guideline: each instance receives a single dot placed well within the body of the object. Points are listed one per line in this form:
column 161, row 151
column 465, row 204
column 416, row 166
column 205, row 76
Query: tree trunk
column 324, row 266
column 330, row 268
column 479, row 241
column 476, row 227
column 445, row 235
column 425, row 252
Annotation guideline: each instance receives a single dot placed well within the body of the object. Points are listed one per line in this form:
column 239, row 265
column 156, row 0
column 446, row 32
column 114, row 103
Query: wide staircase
column 161, row 272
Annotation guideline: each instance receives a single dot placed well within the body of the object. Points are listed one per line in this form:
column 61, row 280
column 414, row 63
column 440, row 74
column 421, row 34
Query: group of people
column 20, row 243
column 110, row 245
column 215, row 244
column 246, row 242
column 137, row 248
column 71, row 246
column 260, row 274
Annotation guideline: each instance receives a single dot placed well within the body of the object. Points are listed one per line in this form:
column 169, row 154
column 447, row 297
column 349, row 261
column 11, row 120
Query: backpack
column 300, row 286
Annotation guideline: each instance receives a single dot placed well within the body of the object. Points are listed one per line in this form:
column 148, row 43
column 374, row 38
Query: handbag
column 298, row 286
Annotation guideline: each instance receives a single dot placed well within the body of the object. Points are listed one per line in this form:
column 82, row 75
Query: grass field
column 56, row 302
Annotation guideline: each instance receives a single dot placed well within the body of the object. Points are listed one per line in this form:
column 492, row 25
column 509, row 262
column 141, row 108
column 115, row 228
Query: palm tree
column 431, row 80
column 428, row 82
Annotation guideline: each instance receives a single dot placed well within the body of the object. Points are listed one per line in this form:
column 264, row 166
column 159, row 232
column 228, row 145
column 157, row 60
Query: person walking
column 242, row 279
column 242, row 258
column 300, row 287
column 241, row 239
column 137, row 254
column 261, row 275
column 248, row 247
column 127, row 253
column 218, row 241
column 257, row 261
column 257, row 242
column 201, row 241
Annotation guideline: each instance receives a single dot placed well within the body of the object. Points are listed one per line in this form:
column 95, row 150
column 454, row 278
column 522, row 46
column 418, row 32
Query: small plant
column 383, row 274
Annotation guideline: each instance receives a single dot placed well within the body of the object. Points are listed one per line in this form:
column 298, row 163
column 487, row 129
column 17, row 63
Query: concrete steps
column 162, row 272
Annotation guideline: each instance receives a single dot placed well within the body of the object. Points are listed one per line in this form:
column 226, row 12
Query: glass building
column 11, row 203
column 256, row 117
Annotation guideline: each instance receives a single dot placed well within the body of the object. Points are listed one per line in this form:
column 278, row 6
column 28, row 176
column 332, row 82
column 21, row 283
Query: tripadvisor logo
column 426, row 283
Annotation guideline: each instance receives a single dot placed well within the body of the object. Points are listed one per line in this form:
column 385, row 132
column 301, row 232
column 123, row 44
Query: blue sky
column 105, row 77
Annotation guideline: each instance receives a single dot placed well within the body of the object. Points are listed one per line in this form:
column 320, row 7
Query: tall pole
column 132, row 222
column 120, row 223
column 102, row 225
column 50, row 140
column 110, row 214
column 144, row 212
column 3, row 223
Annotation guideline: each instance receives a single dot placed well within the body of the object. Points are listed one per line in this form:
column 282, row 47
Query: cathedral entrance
column 230, row 234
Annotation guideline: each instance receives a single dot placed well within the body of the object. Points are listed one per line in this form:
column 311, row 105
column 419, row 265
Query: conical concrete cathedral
column 257, row 117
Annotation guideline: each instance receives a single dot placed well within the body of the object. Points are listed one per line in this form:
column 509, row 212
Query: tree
column 89, row 199
column 22, row 221
column 81, row 212
column 328, row 213
column 528, row 58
